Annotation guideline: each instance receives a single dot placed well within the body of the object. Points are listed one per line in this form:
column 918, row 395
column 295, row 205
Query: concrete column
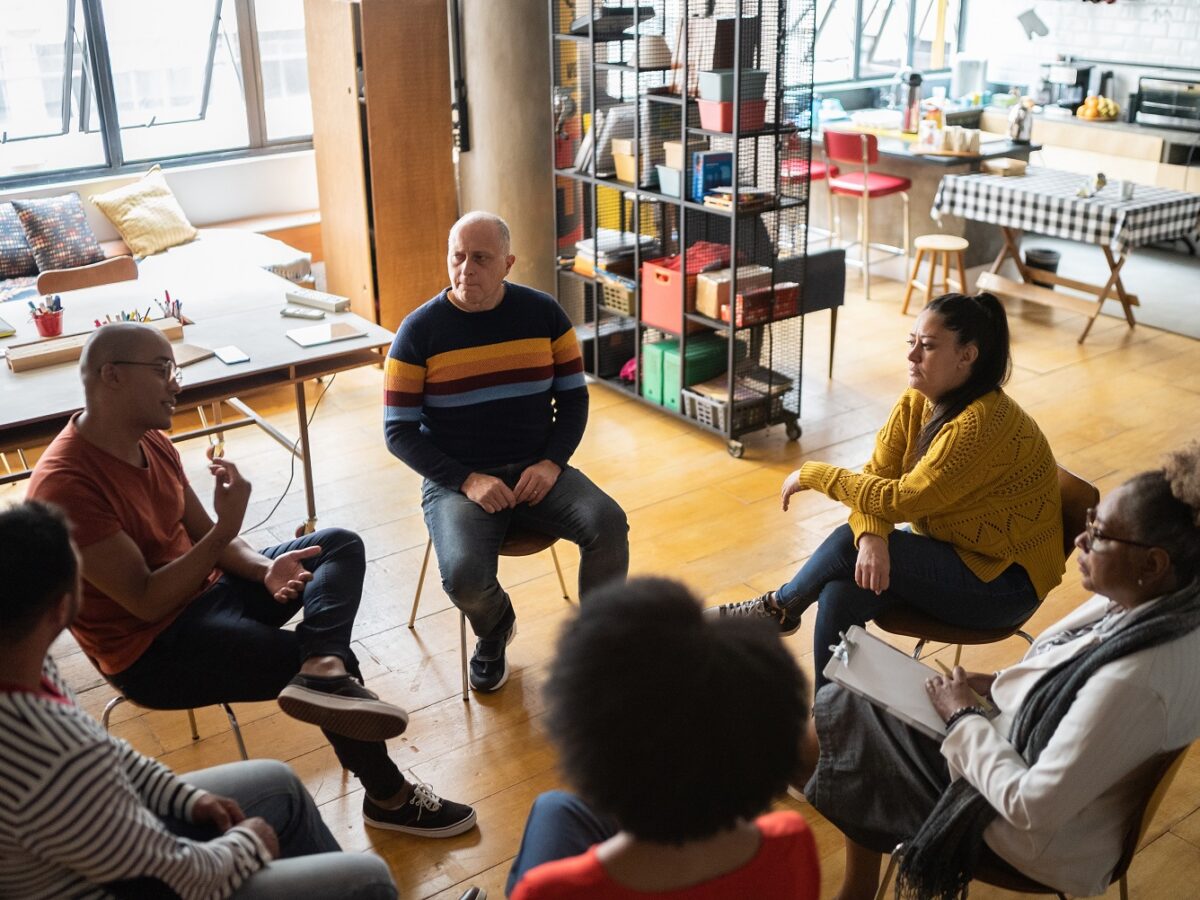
column 507, row 171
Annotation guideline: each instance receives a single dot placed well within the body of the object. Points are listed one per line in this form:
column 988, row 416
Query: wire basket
column 748, row 415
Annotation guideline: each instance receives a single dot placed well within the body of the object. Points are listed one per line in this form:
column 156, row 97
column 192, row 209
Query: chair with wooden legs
column 233, row 722
column 936, row 245
column 107, row 271
column 518, row 542
column 998, row 873
column 855, row 149
column 1078, row 496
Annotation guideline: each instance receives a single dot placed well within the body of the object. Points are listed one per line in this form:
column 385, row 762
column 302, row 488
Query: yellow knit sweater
column 988, row 484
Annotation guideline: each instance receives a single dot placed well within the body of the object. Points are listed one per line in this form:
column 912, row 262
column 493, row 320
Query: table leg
column 1115, row 264
column 310, row 524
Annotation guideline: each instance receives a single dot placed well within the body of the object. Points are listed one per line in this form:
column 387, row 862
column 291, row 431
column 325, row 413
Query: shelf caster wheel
column 737, row 449
column 792, row 429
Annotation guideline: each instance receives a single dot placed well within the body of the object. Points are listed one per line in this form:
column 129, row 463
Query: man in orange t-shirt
column 180, row 612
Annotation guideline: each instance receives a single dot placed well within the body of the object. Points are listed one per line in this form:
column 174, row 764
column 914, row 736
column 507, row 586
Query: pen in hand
column 983, row 702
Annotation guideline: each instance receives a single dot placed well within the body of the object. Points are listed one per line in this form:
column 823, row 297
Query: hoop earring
column 1140, row 582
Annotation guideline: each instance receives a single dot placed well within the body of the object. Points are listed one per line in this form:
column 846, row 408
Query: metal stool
column 852, row 148
column 518, row 542
column 937, row 245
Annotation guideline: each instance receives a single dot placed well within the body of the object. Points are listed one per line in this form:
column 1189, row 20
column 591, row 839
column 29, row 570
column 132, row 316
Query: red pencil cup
column 49, row 324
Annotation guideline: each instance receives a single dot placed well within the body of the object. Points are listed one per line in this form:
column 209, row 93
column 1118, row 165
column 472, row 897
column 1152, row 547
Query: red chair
column 799, row 170
column 854, row 148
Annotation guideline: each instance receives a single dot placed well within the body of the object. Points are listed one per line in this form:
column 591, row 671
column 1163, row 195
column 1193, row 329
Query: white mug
column 1126, row 190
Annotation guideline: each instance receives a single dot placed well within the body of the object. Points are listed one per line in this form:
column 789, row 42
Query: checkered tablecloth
column 1044, row 201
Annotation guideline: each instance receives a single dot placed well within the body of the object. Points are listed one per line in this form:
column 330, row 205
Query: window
column 858, row 39
column 167, row 79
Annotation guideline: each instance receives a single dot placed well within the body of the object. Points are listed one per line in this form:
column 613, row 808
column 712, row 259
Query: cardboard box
column 764, row 305
column 626, row 164
column 675, row 159
column 712, row 288
column 627, row 146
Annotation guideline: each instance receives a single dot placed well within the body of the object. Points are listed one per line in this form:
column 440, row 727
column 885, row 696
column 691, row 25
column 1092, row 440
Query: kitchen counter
column 925, row 171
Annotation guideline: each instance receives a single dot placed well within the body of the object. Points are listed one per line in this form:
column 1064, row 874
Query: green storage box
column 660, row 367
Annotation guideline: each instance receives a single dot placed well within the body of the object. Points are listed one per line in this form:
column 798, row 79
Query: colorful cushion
column 58, row 232
column 146, row 214
column 16, row 259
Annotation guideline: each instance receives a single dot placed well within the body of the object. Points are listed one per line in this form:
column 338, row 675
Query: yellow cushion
column 146, row 214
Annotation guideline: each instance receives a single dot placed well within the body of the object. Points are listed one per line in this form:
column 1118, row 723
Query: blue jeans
column 311, row 863
column 468, row 539
column 925, row 573
column 229, row 646
column 560, row 825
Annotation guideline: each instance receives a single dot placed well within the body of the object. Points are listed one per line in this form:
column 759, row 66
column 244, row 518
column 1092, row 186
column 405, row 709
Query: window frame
column 857, row 78
column 97, row 69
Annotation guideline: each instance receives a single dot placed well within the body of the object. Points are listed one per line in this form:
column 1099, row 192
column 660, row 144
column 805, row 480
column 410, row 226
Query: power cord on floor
column 292, row 473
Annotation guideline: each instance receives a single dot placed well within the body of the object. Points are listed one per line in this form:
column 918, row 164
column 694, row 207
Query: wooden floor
column 1109, row 408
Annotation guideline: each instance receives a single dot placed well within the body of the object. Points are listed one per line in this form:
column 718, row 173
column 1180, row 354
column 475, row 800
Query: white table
column 236, row 305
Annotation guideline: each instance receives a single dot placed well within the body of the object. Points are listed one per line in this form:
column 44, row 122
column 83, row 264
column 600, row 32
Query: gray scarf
column 938, row 862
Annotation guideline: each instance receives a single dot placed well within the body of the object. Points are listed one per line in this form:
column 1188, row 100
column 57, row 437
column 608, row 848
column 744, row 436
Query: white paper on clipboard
column 891, row 680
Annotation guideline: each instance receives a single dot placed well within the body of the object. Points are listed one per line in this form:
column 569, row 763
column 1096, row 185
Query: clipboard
column 888, row 678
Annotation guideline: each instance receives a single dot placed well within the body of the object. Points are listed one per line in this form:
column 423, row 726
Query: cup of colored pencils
column 47, row 316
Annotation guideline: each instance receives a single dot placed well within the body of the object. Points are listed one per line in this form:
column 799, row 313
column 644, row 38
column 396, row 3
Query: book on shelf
column 749, row 199
column 710, row 169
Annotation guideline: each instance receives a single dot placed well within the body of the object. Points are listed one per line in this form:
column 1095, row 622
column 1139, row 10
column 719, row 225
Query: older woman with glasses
column 1052, row 780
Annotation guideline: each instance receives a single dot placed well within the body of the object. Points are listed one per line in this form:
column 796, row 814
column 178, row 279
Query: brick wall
column 1165, row 32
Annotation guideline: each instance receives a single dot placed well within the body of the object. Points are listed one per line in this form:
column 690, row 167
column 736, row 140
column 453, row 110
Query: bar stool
column 853, row 148
column 793, row 170
column 936, row 245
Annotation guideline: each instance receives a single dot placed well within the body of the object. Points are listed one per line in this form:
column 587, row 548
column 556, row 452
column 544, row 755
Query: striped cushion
column 146, row 214
column 16, row 259
column 58, row 232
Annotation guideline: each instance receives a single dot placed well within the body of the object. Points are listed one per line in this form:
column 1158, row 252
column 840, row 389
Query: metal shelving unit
column 632, row 75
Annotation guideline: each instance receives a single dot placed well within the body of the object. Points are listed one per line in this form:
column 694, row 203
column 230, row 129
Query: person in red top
column 179, row 611
column 671, row 772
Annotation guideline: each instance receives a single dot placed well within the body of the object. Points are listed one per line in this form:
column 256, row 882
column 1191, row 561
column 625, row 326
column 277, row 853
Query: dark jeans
column 468, row 539
column 229, row 646
column 925, row 573
column 560, row 825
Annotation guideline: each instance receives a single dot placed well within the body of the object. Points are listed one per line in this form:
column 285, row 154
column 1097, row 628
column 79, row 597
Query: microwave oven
column 1169, row 103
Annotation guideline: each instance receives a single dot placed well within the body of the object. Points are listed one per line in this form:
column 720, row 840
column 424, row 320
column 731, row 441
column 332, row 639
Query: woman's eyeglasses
column 1093, row 535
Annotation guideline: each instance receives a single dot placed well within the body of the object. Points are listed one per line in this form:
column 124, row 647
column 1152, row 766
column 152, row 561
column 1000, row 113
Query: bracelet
column 962, row 713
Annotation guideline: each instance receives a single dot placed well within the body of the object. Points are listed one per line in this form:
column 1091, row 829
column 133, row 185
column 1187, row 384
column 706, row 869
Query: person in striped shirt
column 485, row 398
column 82, row 814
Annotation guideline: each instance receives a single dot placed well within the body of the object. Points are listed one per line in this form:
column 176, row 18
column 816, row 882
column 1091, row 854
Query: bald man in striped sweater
column 485, row 398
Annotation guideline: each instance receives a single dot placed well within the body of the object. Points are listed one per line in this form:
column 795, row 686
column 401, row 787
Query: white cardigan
column 1063, row 820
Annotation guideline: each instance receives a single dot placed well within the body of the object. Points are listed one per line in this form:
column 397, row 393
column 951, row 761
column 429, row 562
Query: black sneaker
column 760, row 607
column 489, row 667
column 342, row 705
column 424, row 813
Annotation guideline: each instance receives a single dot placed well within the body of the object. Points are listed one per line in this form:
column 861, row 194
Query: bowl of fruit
column 1099, row 109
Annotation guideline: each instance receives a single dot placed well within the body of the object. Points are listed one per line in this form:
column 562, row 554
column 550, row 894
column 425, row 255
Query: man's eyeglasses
column 1093, row 535
column 167, row 370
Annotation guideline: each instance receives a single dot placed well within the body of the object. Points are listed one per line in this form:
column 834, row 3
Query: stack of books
column 748, row 199
column 611, row 251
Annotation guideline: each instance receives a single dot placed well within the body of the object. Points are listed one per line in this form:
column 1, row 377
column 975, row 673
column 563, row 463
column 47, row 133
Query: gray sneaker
column 760, row 607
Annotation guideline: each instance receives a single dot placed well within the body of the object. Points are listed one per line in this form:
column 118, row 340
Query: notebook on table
column 315, row 335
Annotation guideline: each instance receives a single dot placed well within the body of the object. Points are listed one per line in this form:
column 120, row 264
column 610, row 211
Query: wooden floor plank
column 1109, row 407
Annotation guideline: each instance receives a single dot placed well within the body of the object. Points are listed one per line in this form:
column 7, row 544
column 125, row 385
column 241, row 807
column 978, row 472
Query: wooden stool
column 935, row 245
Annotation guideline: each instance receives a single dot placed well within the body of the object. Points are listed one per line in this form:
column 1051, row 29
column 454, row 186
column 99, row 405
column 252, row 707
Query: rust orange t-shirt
column 785, row 868
column 103, row 495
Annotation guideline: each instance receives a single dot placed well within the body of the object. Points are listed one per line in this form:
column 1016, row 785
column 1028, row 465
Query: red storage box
column 764, row 305
column 717, row 115
column 667, row 293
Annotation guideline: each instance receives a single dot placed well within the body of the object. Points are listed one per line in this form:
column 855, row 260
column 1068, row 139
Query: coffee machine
column 1068, row 83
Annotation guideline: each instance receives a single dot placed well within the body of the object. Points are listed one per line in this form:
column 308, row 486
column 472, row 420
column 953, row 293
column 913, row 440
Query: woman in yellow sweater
column 965, row 467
